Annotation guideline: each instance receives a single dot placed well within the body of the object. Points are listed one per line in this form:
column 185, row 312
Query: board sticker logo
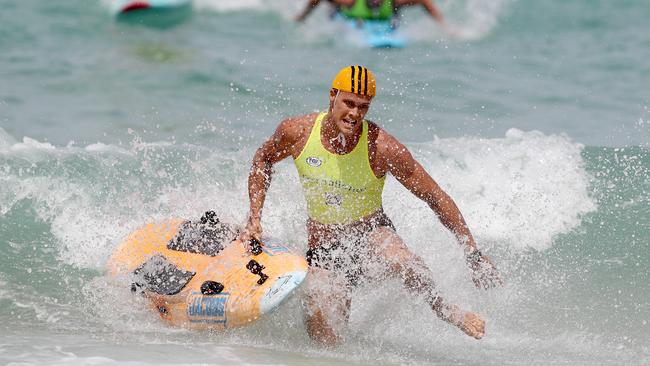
column 314, row 161
column 333, row 199
column 272, row 249
column 207, row 309
column 278, row 285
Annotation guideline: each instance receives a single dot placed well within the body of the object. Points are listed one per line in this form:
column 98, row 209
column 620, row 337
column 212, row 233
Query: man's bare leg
column 328, row 306
column 417, row 279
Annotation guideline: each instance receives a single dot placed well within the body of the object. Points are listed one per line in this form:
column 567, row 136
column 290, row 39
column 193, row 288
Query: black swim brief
column 348, row 254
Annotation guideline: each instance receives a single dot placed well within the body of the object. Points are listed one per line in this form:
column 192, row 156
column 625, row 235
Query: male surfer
column 342, row 161
column 373, row 9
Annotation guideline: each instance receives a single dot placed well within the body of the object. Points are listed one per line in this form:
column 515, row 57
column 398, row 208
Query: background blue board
column 374, row 33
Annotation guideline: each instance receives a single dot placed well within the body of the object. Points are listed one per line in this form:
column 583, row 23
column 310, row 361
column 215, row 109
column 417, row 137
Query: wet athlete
column 373, row 9
column 342, row 161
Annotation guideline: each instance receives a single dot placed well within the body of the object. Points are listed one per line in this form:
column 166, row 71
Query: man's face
column 348, row 110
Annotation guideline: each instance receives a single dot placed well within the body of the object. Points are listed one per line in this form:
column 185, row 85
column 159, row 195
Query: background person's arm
column 431, row 8
column 311, row 5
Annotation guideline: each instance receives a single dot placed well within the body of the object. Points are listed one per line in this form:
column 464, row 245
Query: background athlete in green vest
column 342, row 161
column 374, row 9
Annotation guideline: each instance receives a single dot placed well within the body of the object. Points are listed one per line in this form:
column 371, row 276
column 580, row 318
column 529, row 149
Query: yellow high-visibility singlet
column 339, row 189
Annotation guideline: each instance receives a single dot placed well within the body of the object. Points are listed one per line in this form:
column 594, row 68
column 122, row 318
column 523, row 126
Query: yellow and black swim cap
column 355, row 79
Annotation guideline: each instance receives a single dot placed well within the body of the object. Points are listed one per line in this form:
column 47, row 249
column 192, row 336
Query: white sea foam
column 229, row 5
column 100, row 147
column 9, row 144
column 478, row 17
column 519, row 191
column 642, row 127
column 3, row 290
column 6, row 139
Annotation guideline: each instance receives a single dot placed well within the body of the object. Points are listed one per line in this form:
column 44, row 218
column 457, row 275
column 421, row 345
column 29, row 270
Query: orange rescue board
column 226, row 289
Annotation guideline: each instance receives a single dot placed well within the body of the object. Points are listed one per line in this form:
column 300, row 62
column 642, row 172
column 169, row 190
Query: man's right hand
column 253, row 230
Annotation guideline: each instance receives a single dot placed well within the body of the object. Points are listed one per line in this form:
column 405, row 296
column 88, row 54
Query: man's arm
column 402, row 165
column 275, row 149
column 412, row 175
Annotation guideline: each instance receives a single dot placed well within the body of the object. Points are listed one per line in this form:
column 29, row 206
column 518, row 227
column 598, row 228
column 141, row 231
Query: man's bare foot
column 467, row 321
column 472, row 325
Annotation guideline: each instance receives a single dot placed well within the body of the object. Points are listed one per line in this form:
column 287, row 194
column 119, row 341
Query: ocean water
column 535, row 120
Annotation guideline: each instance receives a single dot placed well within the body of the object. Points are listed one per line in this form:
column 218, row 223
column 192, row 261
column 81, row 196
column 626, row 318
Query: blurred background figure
column 382, row 10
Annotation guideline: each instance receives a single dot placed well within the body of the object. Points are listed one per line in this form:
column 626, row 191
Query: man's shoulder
column 299, row 121
column 387, row 146
column 380, row 136
column 297, row 126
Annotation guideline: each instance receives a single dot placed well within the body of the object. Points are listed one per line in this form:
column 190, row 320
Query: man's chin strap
column 336, row 96
column 340, row 137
